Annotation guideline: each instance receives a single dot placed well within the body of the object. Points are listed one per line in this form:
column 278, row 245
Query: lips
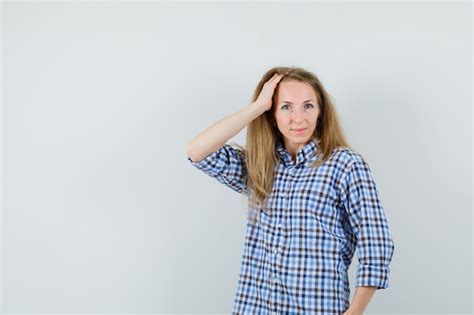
column 299, row 129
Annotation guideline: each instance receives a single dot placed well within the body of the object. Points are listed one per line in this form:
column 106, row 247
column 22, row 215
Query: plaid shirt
column 295, row 259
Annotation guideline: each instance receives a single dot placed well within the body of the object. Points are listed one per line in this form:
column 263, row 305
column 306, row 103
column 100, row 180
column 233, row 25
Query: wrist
column 256, row 108
column 350, row 311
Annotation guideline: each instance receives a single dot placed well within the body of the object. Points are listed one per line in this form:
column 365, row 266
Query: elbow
column 189, row 147
column 190, row 152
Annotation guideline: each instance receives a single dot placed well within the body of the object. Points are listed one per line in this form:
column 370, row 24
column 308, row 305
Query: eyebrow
column 292, row 103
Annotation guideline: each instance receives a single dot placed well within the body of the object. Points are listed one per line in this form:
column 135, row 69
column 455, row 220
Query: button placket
column 278, row 228
column 275, row 278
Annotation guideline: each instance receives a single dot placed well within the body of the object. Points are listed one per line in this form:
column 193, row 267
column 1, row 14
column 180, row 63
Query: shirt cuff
column 207, row 163
column 370, row 275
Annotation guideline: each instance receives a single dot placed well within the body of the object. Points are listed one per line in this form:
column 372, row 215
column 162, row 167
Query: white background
column 101, row 211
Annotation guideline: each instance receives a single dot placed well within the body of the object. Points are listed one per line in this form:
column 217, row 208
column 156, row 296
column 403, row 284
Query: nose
column 298, row 116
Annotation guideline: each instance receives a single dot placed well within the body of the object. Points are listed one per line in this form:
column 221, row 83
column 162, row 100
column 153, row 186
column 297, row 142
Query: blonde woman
column 313, row 201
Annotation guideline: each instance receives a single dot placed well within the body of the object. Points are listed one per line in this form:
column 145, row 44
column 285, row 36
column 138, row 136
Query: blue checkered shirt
column 295, row 259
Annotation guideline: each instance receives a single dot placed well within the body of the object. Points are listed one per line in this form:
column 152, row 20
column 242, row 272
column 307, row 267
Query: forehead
column 295, row 92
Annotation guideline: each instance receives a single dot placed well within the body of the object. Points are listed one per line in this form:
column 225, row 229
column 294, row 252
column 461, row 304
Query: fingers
column 276, row 77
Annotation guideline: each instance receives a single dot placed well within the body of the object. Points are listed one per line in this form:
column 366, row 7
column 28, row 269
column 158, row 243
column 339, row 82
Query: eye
column 283, row 106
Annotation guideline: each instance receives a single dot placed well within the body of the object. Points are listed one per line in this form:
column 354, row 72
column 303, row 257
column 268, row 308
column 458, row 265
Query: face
column 296, row 108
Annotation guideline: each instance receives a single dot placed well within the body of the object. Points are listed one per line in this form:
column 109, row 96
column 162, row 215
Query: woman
column 313, row 201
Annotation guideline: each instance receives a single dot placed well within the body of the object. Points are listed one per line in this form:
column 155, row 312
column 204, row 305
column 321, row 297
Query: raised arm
column 216, row 135
column 213, row 156
column 209, row 152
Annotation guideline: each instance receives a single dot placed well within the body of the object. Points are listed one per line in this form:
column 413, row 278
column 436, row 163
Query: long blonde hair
column 262, row 135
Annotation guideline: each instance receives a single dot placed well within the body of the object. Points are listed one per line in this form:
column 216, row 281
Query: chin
column 299, row 140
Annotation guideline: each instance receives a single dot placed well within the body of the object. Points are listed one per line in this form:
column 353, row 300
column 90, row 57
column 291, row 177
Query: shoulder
column 346, row 157
column 348, row 163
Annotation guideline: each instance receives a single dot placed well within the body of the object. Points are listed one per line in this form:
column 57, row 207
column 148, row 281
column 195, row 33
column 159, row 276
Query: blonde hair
column 261, row 157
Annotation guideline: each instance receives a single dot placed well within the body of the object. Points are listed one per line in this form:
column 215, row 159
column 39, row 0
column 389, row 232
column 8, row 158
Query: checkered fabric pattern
column 295, row 259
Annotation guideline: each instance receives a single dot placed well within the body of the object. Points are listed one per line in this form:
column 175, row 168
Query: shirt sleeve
column 227, row 165
column 367, row 218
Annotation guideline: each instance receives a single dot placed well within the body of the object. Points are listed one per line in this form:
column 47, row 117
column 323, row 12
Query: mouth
column 299, row 132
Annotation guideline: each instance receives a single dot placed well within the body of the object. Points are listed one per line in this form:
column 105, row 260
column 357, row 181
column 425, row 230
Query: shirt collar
column 304, row 153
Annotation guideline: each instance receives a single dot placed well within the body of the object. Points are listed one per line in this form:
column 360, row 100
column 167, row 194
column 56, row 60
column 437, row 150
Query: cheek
column 283, row 122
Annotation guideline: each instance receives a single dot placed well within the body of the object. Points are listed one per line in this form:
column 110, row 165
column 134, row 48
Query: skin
column 361, row 299
column 301, row 113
